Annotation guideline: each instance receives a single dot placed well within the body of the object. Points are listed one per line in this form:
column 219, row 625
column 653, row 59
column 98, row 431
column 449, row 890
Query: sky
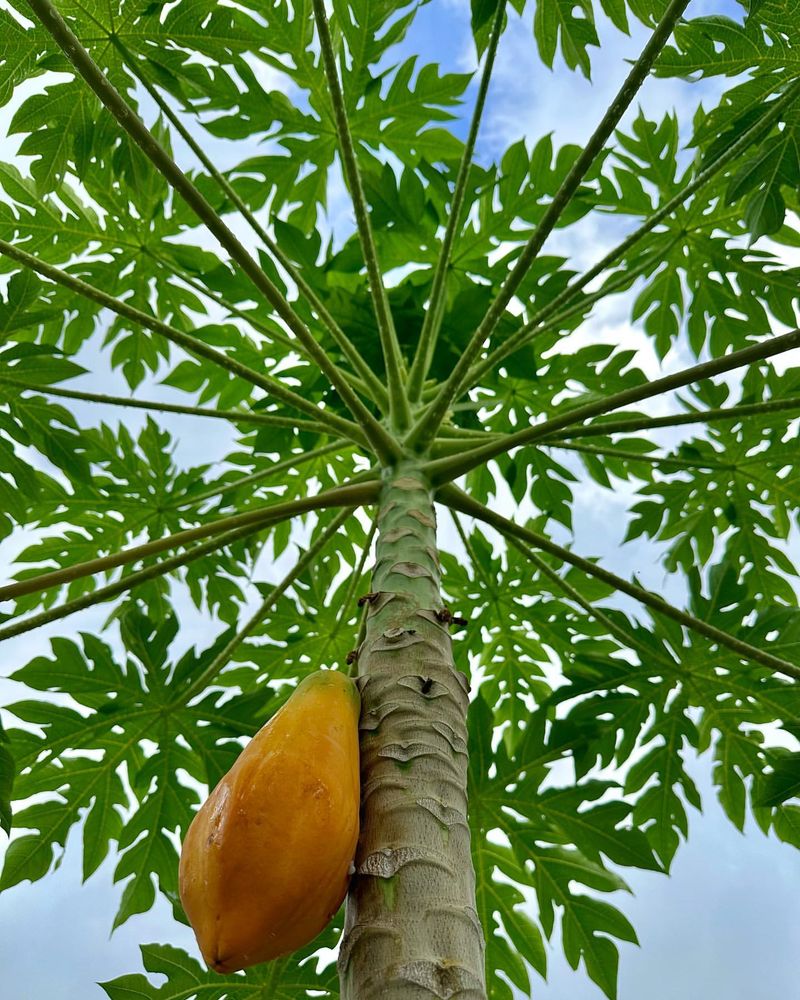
column 722, row 925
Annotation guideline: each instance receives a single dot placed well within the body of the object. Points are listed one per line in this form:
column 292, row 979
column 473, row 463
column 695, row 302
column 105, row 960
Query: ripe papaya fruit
column 266, row 860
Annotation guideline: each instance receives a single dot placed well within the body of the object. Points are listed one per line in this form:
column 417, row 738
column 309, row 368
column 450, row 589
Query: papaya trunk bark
column 412, row 931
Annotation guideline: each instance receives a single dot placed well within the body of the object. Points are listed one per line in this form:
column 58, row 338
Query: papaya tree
column 418, row 399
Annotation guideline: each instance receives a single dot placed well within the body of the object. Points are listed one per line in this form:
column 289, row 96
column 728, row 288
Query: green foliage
column 283, row 979
column 765, row 46
column 6, row 782
column 118, row 741
column 118, row 706
column 553, row 843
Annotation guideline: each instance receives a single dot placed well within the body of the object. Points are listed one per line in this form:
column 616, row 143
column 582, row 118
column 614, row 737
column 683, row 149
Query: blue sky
column 722, row 925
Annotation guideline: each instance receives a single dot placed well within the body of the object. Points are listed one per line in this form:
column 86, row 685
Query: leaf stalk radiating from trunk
column 424, row 430
column 52, row 20
column 461, row 502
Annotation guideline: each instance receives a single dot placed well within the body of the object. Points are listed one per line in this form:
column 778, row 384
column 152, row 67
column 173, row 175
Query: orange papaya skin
column 265, row 862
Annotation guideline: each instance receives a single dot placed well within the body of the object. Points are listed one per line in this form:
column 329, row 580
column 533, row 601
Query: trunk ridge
column 412, row 931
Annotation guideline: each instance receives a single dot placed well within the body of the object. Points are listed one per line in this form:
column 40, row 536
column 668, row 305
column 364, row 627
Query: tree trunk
column 412, row 931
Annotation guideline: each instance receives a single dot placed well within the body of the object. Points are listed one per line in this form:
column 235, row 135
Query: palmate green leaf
column 135, row 29
column 405, row 218
column 78, row 784
column 139, row 261
column 324, row 638
column 736, row 706
column 50, row 230
column 395, row 120
column 126, row 497
column 131, row 705
column 597, row 830
column 515, row 941
column 369, row 29
column 786, row 823
column 587, row 923
column 123, row 497
column 310, row 626
column 568, row 28
column 283, row 979
column 19, row 49
column 7, row 771
column 34, row 420
column 687, row 674
column 660, row 809
column 29, row 363
column 58, row 127
column 517, row 401
column 724, row 45
column 536, row 617
column 657, row 773
column 767, row 44
column 510, row 920
column 782, row 783
column 518, row 191
column 753, row 511
column 382, row 110
column 555, row 844
column 571, row 25
column 16, row 313
column 502, row 639
column 762, row 179
column 731, row 291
